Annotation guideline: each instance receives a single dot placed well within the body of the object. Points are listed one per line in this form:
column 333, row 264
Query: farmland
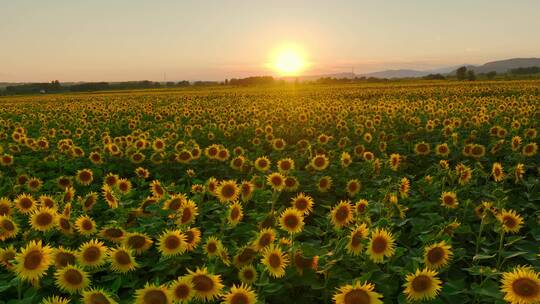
column 367, row 193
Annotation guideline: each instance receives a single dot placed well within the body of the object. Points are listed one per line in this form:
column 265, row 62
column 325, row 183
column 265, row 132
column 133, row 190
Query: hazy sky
column 132, row 40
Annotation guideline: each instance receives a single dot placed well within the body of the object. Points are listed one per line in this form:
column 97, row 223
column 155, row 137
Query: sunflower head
column 422, row 285
column 207, row 286
column 72, row 279
column 521, row 285
column 153, row 294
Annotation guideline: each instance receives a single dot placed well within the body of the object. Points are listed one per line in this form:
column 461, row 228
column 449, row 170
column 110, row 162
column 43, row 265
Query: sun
column 289, row 61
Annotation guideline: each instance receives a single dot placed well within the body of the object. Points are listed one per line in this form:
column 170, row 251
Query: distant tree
column 491, row 75
column 461, row 73
column 434, row 77
column 470, row 75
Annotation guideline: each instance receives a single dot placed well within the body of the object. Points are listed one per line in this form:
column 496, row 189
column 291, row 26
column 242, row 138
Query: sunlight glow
column 289, row 61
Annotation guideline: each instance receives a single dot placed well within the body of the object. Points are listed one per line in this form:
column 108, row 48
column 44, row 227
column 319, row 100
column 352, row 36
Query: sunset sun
column 289, row 61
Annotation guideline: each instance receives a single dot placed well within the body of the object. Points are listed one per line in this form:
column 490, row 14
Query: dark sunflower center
column 44, row 219
column 276, row 180
column 98, row 298
column 73, row 277
column 235, row 213
column 33, row 259
column 509, row 222
column 435, row 255
column 87, row 225
column 239, row 298
column 421, row 283
column 319, row 161
column 64, row 223
column 525, row 287
column 301, row 204
column 274, row 260
column 172, row 242
column 202, row 283
column 92, row 254
column 122, row 258
column 26, row 203
column 248, row 274
column 137, row 241
column 155, row 297
column 114, row 233
column 448, row 200
column 8, row 225
column 211, row 247
column 291, row 221
column 181, row 291
column 265, row 239
column 356, row 239
column 186, row 215
column 342, row 214
column 190, row 236
column 357, row 296
column 227, row 191
column 379, row 245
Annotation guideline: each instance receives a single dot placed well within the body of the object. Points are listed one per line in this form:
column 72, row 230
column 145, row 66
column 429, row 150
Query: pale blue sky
column 130, row 39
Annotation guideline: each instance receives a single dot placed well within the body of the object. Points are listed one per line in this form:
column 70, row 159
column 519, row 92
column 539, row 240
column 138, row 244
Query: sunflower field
column 349, row 194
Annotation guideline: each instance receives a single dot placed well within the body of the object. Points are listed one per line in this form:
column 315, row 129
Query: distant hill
column 500, row 66
column 503, row 66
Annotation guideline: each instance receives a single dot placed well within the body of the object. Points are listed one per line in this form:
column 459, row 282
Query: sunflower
column 262, row 164
column 353, row 187
column 395, row 160
column 449, row 200
column 213, row 246
column 72, row 279
column 276, row 181
column 8, row 228
column 84, row 177
column 25, row 203
column 207, row 286
column 142, row 173
column 156, row 189
column 227, row 191
column 5, row 207
column 247, row 274
column 63, row 257
column 381, row 245
column 64, row 224
column 442, row 150
column 242, row 294
column 171, row 243
column 85, row 225
column 138, row 242
column 519, row 172
column 303, row 203
column 285, row 165
column 404, row 187
column 193, row 237
column 110, row 196
column 152, row 294
column 235, row 213
column 89, row 201
column 69, row 194
column 511, row 221
column 123, row 185
column 43, row 219
column 319, row 162
column 181, row 290
column 356, row 236
column 437, row 255
column 497, row 172
column 265, row 237
column 357, row 294
column 361, row 206
column 275, row 260
column 246, row 190
column 33, row 261
column 92, row 253
column 291, row 220
column 529, row 149
column 422, row 148
column 422, row 285
column 346, row 159
column 291, row 184
column 55, row 300
column 96, row 296
column 34, row 184
column 341, row 215
column 188, row 212
column 7, row 257
column 324, row 184
column 6, row 160
column 122, row 259
column 521, row 285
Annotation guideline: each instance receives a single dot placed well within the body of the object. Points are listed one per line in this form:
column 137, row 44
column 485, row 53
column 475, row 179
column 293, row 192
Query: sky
column 118, row 40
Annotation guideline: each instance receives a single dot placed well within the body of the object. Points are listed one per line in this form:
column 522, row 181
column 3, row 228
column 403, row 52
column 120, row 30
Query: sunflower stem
column 479, row 235
column 499, row 254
